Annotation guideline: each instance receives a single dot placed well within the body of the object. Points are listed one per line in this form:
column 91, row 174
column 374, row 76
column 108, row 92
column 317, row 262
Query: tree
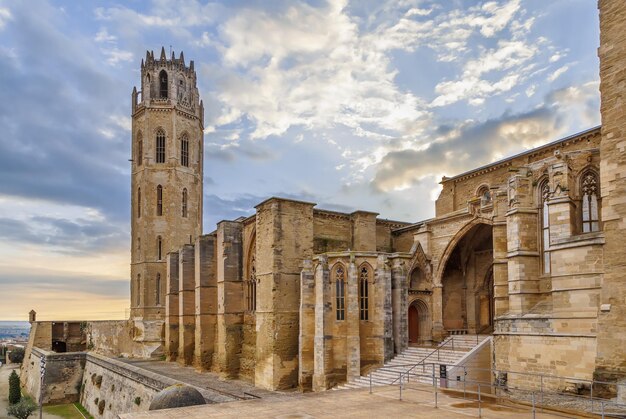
column 14, row 388
column 23, row 409
column 16, row 355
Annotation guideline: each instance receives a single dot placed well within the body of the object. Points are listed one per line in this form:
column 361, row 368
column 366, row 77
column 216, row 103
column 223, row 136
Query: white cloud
column 5, row 16
column 115, row 55
column 558, row 73
column 104, row 36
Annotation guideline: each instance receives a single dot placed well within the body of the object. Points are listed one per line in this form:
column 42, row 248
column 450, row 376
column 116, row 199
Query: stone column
column 323, row 358
column 230, row 301
column 171, row 308
column 205, row 301
column 382, row 280
column 438, row 332
column 307, row 327
column 612, row 318
column 399, row 302
column 353, row 350
column 186, row 304
column 500, row 264
column 561, row 208
column 522, row 245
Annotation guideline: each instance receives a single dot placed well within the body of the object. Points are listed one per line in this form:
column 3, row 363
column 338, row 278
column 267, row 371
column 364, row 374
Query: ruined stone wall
column 611, row 353
column 111, row 337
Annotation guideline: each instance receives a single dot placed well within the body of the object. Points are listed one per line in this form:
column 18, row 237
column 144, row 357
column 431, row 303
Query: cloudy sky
column 362, row 104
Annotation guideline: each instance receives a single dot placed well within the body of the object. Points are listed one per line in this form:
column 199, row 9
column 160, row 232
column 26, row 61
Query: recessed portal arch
column 420, row 325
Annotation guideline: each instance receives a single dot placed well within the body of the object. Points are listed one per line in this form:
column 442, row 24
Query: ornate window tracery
column 251, row 287
column 340, row 292
column 590, row 188
column 184, row 151
column 364, row 293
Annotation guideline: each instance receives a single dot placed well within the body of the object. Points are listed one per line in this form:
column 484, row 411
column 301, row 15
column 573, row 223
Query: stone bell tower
column 166, row 183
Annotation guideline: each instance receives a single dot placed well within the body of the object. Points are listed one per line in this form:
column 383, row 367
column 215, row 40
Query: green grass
column 67, row 411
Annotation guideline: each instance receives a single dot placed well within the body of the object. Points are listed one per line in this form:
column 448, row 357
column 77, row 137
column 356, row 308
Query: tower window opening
column 138, row 296
column 159, row 248
column 364, row 293
column 138, row 202
column 159, row 200
column 340, row 290
column 184, row 151
column 251, row 288
column 163, row 84
column 185, row 202
column 160, row 146
column 157, row 290
column 139, row 156
column 590, row 208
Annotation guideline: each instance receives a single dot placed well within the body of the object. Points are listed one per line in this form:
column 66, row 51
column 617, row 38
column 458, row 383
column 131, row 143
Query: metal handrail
column 423, row 360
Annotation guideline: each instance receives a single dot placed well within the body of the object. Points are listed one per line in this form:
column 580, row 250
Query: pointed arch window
column 545, row 226
column 340, row 292
column 139, row 155
column 160, row 146
column 138, row 294
column 157, row 289
column 251, row 287
column 589, row 186
column 159, row 248
column 184, row 151
column 159, row 202
column 364, row 276
column 163, row 85
column 138, row 202
column 184, row 203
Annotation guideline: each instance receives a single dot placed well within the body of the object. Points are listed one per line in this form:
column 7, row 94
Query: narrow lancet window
column 185, row 202
column 139, row 155
column 163, row 85
column 138, row 202
column 340, row 289
column 160, row 146
column 364, row 293
column 157, row 289
column 138, row 296
column 159, row 200
column 159, row 248
column 545, row 227
column 184, row 151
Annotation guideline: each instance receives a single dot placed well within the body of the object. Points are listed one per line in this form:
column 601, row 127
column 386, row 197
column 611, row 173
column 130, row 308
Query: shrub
column 137, row 401
column 16, row 355
column 14, row 388
column 23, row 409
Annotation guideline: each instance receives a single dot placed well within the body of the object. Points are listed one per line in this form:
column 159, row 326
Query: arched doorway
column 419, row 323
column 467, row 280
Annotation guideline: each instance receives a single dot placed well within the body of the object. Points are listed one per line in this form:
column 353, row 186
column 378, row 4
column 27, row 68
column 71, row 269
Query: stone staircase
column 405, row 361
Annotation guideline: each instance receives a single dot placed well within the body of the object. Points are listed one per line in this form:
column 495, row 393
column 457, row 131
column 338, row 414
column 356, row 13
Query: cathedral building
column 528, row 250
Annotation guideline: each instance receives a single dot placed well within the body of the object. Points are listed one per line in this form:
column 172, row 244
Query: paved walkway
column 417, row 401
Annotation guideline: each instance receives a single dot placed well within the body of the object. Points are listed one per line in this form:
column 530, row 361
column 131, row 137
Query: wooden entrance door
column 414, row 324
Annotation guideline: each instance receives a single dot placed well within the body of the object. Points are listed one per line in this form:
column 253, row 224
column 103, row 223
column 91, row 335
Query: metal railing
column 529, row 396
column 423, row 360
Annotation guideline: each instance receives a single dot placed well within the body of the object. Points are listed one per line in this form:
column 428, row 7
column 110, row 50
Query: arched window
column 364, row 293
column 160, row 146
column 157, row 289
column 184, row 151
column 139, row 155
column 589, row 188
column 185, row 202
column 340, row 291
column 159, row 248
column 484, row 194
column 138, row 202
column 163, row 84
column 544, row 191
column 159, row 207
column 138, row 295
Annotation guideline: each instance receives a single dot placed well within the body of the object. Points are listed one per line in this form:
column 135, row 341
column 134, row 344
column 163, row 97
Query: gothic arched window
column 157, row 289
column 139, row 155
column 138, row 202
column 544, row 191
column 160, row 146
column 251, row 287
column 589, row 188
column 484, row 194
column 159, row 208
column 184, row 151
column 364, row 276
column 163, row 84
column 340, row 292
column 159, row 248
column 185, row 202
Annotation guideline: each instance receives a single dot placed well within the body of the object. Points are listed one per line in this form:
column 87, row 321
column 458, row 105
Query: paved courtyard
column 417, row 401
